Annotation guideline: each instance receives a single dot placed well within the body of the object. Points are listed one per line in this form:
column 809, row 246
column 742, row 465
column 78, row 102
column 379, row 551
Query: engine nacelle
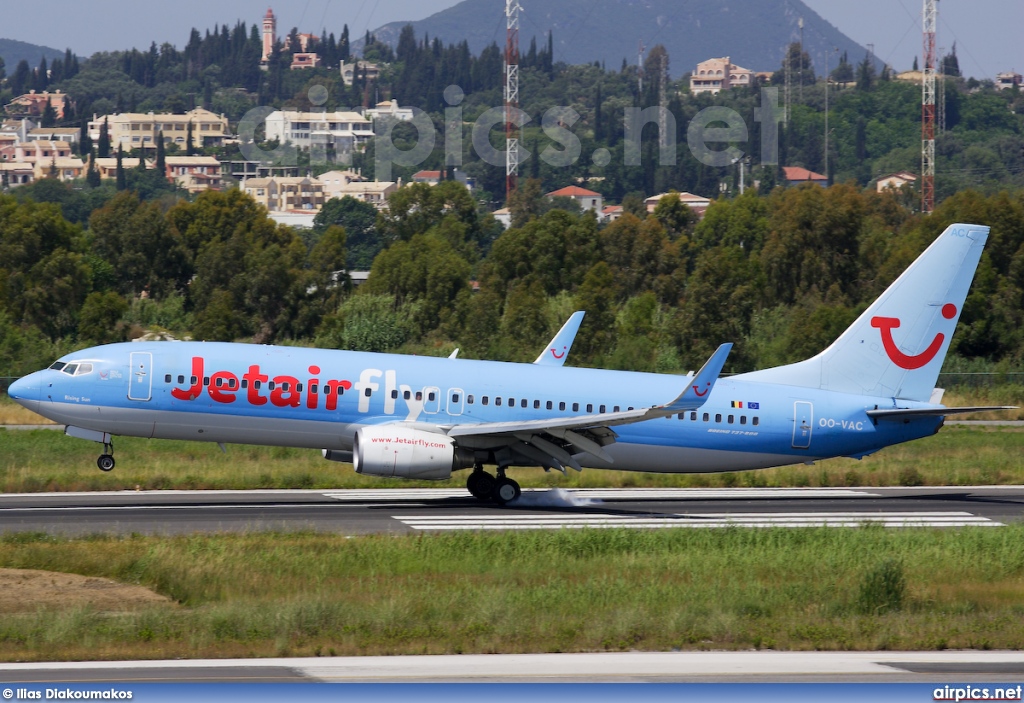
column 400, row 452
column 338, row 455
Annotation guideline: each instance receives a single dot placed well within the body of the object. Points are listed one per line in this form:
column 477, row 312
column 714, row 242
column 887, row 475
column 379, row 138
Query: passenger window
column 693, row 416
column 755, row 420
column 681, row 416
column 430, row 396
column 485, row 400
column 601, row 409
column 255, row 384
column 406, row 395
column 511, row 402
column 575, row 407
column 497, row 400
column 561, row 405
column 206, row 381
column 220, row 382
column 743, row 419
column 522, row 403
column 706, row 417
column 312, row 388
column 245, row 383
column 271, row 386
column 718, row 417
column 469, row 398
column 590, row 407
column 615, row 409
column 284, row 386
column 369, row 391
column 549, row 405
column 732, row 419
column 341, row 390
column 536, row 405
column 455, row 398
column 167, row 378
column 181, row 379
column 419, row 395
column 394, row 395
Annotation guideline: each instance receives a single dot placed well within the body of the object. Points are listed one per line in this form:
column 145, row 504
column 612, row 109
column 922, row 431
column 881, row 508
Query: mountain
column 12, row 51
column 754, row 33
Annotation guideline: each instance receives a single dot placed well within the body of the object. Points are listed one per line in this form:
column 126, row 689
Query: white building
column 715, row 75
column 389, row 109
column 588, row 199
column 345, row 131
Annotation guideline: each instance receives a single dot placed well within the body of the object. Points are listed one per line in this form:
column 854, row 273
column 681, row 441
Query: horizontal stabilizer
column 898, row 413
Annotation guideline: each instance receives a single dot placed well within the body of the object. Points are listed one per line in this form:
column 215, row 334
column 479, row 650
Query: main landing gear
column 484, row 486
column 106, row 460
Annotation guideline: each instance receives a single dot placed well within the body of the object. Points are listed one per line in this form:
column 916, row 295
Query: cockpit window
column 70, row 369
column 57, row 365
column 83, row 369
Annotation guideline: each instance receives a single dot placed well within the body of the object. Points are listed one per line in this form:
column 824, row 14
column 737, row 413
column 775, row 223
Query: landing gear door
column 803, row 423
column 140, row 380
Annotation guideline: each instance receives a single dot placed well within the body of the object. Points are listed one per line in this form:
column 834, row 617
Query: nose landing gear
column 106, row 460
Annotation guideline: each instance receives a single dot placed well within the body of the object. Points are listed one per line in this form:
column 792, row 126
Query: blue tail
column 895, row 349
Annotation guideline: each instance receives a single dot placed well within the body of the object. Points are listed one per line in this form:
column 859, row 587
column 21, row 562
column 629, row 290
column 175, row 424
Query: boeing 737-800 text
column 423, row 418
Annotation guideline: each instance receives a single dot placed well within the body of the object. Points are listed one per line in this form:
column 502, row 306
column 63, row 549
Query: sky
column 987, row 32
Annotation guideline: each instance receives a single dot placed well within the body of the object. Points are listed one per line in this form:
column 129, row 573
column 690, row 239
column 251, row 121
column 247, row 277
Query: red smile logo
column 557, row 356
column 885, row 327
column 699, row 393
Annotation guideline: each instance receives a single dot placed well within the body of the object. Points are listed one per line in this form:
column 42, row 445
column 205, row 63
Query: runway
column 354, row 512
column 603, row 667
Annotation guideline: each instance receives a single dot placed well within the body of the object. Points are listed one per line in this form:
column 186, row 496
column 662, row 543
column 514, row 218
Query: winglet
column 557, row 350
column 699, row 388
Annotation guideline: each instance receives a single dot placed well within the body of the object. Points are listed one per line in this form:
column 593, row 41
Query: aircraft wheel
column 505, row 491
column 105, row 462
column 481, row 485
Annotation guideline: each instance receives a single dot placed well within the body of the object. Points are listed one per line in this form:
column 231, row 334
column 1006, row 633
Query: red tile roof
column 573, row 192
column 796, row 173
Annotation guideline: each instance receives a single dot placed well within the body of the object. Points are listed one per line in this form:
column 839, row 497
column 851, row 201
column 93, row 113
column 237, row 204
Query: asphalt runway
column 362, row 511
column 604, row 667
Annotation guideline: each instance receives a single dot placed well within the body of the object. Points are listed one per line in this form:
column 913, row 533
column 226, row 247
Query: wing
column 552, row 441
column 557, row 350
column 902, row 413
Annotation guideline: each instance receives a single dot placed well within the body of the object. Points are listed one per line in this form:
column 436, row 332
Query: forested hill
column 754, row 33
column 12, row 51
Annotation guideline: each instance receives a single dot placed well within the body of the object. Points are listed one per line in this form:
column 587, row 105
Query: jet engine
column 391, row 450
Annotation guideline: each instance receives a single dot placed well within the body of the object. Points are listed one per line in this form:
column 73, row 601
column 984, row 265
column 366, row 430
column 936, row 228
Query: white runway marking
column 701, row 520
column 360, row 494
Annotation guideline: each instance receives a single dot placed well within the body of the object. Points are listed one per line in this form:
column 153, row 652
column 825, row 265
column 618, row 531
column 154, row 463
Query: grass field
column 46, row 460
column 590, row 590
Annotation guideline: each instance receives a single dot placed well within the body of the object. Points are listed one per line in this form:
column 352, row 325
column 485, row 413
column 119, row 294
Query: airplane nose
column 25, row 391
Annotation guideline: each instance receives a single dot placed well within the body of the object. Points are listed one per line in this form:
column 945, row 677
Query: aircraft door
column 803, row 423
column 456, row 401
column 431, row 400
column 140, row 382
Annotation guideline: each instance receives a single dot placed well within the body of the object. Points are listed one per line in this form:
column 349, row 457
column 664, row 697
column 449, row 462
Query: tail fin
column 895, row 349
column 558, row 348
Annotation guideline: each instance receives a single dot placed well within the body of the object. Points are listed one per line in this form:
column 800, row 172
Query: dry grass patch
column 30, row 590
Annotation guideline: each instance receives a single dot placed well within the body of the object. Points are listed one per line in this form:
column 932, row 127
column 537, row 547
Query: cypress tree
column 161, row 163
column 92, row 176
column 84, row 140
column 121, row 182
column 188, row 140
column 104, row 145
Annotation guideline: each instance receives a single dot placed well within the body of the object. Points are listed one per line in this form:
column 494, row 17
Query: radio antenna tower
column 931, row 12
column 512, row 10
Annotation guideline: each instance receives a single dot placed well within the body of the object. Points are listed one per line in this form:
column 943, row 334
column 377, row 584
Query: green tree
column 121, row 182
column 104, row 143
column 99, row 321
column 359, row 219
column 161, row 161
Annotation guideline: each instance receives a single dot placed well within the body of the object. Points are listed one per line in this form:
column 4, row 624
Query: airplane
column 418, row 417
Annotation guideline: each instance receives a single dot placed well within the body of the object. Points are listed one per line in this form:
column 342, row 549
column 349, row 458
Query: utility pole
column 836, row 50
column 940, row 97
column 931, row 13
column 640, row 68
column 800, row 57
column 512, row 9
